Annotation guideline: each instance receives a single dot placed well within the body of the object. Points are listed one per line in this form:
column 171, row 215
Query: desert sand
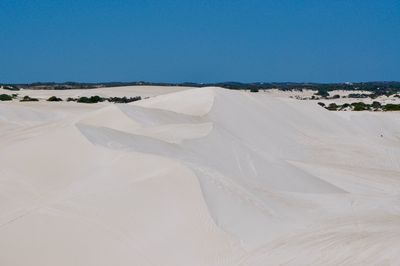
column 196, row 176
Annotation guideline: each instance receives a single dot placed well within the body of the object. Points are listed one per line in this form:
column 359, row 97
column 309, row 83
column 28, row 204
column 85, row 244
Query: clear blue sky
column 199, row 41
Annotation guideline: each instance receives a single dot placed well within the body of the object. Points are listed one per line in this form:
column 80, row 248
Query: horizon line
column 193, row 82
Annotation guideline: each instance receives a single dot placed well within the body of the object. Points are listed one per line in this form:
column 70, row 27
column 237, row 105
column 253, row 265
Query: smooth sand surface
column 201, row 176
column 128, row 91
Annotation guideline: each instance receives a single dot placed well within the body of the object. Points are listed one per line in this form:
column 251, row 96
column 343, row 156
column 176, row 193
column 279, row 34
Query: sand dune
column 201, row 176
column 128, row 91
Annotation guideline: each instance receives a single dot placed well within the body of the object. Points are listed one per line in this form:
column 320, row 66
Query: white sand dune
column 128, row 91
column 202, row 176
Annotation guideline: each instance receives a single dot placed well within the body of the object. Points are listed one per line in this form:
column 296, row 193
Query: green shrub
column 11, row 88
column 254, row 90
column 322, row 93
column 360, row 106
column 346, row 105
column 123, row 99
column 29, row 99
column 84, row 100
column 92, row 99
column 359, row 95
column 54, row 99
column 376, row 105
column 391, row 107
column 97, row 99
column 5, row 97
column 332, row 107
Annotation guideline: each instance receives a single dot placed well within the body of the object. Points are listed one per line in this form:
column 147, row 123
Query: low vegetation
column 359, row 95
column 5, row 97
column 84, row 99
column 97, row 99
column 360, row 106
column 92, row 99
column 377, row 88
column 322, row 93
column 391, row 107
column 124, row 99
column 29, row 99
column 11, row 88
column 54, row 99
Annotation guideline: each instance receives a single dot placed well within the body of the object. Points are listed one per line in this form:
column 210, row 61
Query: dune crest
column 196, row 102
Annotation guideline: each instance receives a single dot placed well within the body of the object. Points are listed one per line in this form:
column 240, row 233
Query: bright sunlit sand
column 196, row 176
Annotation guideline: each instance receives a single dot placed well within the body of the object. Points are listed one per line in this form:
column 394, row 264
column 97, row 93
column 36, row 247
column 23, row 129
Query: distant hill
column 378, row 87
